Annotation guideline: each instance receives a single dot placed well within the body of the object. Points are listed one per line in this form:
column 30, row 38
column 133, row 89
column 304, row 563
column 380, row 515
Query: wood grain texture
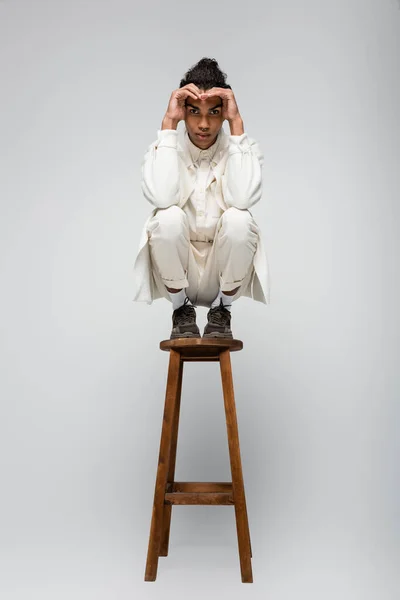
column 156, row 527
column 205, row 498
column 201, row 349
column 171, row 467
column 242, row 525
column 200, row 486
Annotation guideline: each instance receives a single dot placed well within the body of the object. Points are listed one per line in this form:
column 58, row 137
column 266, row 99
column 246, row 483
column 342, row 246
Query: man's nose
column 204, row 123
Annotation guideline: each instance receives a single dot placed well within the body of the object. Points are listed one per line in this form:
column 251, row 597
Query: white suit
column 194, row 189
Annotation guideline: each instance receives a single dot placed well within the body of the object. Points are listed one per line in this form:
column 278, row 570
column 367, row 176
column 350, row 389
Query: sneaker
column 219, row 322
column 184, row 321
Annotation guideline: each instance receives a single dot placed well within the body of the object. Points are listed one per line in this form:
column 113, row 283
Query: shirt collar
column 197, row 153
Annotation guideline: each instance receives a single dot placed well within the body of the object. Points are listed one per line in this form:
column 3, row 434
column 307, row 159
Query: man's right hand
column 176, row 107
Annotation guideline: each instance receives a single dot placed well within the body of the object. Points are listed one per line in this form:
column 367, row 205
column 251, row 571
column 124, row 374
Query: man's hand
column 230, row 110
column 176, row 107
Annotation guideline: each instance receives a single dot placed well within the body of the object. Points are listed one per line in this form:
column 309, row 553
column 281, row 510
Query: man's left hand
column 230, row 110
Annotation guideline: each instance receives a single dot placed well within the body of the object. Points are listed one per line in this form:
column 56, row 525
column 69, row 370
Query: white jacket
column 237, row 171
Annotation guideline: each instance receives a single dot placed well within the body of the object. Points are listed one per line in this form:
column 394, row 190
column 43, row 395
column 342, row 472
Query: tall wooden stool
column 169, row 492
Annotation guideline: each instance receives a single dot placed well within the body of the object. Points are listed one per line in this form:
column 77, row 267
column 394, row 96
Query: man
column 201, row 244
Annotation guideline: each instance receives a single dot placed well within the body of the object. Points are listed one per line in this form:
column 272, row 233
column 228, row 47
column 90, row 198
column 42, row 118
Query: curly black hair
column 206, row 74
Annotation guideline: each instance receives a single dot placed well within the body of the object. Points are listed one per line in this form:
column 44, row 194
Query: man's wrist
column 168, row 123
column 236, row 126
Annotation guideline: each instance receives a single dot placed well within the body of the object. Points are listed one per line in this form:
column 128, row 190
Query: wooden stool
column 169, row 492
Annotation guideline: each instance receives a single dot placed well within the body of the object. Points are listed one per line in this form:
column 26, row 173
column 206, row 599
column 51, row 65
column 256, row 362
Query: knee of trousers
column 236, row 224
column 170, row 224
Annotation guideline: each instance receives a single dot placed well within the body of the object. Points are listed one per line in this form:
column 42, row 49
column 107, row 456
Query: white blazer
column 241, row 191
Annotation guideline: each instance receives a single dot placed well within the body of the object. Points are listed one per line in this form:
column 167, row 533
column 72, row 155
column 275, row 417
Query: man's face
column 203, row 116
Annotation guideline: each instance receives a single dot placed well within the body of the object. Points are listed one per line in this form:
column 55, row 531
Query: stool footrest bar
column 199, row 492
column 205, row 498
column 199, row 486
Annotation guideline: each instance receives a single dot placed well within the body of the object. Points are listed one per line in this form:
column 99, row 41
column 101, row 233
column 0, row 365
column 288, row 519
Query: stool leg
column 248, row 528
column 162, row 469
column 171, row 468
column 244, row 497
column 242, row 525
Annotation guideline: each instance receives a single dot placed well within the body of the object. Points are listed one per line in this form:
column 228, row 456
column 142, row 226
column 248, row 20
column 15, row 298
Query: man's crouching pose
column 201, row 245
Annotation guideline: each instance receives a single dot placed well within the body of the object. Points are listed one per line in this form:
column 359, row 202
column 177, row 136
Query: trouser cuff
column 176, row 284
column 228, row 287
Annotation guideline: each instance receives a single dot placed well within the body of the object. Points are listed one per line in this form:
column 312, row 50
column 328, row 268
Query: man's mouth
column 203, row 136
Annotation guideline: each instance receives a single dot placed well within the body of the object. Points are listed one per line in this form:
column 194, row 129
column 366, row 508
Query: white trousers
column 202, row 268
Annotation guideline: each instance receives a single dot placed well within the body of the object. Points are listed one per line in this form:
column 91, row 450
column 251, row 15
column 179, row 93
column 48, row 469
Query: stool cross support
column 168, row 491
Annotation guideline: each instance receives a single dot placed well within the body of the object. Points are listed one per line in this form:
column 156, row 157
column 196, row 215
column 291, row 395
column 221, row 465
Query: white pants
column 202, row 267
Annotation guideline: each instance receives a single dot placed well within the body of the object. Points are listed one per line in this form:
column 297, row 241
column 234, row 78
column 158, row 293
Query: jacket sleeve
column 242, row 179
column 160, row 170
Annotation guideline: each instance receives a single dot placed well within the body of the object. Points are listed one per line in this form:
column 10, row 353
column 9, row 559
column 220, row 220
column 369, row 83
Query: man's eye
column 193, row 111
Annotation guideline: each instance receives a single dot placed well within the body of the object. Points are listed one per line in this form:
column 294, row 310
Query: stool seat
column 168, row 492
column 201, row 349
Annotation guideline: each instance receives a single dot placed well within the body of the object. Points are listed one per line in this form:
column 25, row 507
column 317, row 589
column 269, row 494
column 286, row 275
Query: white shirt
column 201, row 208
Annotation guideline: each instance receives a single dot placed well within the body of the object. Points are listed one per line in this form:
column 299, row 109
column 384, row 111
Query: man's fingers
column 187, row 93
column 193, row 96
column 193, row 88
column 216, row 91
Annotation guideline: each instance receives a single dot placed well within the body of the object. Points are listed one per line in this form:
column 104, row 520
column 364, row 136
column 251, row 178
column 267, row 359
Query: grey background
column 84, row 89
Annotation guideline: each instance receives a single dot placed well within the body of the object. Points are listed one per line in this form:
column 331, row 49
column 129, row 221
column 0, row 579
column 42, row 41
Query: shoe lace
column 182, row 313
column 220, row 314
